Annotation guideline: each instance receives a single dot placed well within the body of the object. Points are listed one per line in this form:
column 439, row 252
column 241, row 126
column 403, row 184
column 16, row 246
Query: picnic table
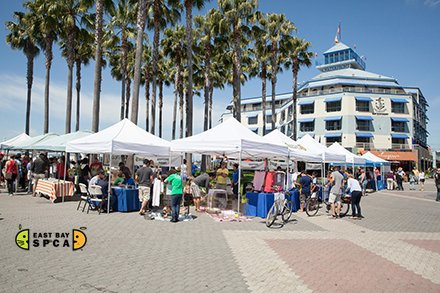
column 54, row 188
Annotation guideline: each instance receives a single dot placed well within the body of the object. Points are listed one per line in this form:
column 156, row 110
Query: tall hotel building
column 361, row 110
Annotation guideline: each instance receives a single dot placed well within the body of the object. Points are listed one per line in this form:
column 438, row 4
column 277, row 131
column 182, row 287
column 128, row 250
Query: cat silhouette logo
column 79, row 239
column 22, row 239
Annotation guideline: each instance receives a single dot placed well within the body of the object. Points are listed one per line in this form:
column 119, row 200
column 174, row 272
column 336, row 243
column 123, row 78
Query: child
column 412, row 180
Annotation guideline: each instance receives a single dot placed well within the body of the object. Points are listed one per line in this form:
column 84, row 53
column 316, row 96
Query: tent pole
column 65, row 167
column 109, row 185
column 239, row 181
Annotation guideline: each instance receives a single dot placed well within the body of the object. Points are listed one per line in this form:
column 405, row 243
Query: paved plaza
column 396, row 248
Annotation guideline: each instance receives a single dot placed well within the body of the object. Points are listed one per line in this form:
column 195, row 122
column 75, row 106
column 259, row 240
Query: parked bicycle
column 282, row 206
column 313, row 204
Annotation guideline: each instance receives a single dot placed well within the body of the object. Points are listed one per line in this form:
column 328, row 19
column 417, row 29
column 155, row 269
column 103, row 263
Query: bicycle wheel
column 312, row 207
column 287, row 211
column 345, row 207
column 272, row 215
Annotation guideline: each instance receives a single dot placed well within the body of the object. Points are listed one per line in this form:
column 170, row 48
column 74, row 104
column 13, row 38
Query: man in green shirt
column 176, row 194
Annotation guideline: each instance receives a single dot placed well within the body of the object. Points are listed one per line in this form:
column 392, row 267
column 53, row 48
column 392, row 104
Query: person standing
column 183, row 172
column 399, row 178
column 390, row 180
column 144, row 177
column 422, row 180
column 11, row 172
column 354, row 187
column 336, row 181
column 95, row 167
column 437, row 183
column 176, row 194
column 39, row 168
column 364, row 181
column 201, row 181
column 222, row 175
column 84, row 171
column 305, row 181
column 235, row 175
column 416, row 175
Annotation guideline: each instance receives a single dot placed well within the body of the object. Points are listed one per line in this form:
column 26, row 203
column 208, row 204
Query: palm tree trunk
column 295, row 69
column 156, row 38
column 176, row 94
column 160, row 106
column 69, row 98
column 206, row 98
column 181, row 104
column 98, row 65
column 49, row 57
column 189, row 89
column 274, row 80
column 123, row 70
column 141, row 19
column 237, row 72
column 29, row 77
column 122, row 116
column 263, row 95
column 211, row 91
column 147, row 101
column 78, row 92
column 127, row 96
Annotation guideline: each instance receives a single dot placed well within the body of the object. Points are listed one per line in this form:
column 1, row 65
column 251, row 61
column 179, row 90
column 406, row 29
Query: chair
column 85, row 196
column 95, row 191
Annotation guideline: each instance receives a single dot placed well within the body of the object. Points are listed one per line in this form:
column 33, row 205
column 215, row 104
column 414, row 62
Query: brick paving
column 126, row 253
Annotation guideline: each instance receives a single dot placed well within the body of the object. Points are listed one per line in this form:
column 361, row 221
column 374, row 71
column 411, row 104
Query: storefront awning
column 306, row 120
column 335, row 134
column 396, row 156
column 399, row 100
column 368, row 118
column 395, row 119
column 365, row 134
column 306, row 103
column 363, row 99
column 334, row 118
column 335, row 99
column 399, row 135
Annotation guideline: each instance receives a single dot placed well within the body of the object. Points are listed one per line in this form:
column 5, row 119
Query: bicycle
column 312, row 205
column 282, row 206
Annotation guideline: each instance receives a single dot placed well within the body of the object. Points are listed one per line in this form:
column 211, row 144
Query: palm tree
column 236, row 13
column 46, row 12
column 101, row 7
column 146, row 53
column 278, row 27
column 299, row 55
column 22, row 36
column 83, row 55
column 121, row 24
column 163, row 12
column 261, row 51
column 173, row 45
column 141, row 20
column 129, row 77
column 70, row 11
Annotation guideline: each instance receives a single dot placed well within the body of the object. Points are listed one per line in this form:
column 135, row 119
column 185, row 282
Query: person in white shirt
column 422, row 180
column 355, row 188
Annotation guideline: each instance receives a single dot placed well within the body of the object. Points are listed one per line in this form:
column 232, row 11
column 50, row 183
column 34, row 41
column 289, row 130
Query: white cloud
column 432, row 3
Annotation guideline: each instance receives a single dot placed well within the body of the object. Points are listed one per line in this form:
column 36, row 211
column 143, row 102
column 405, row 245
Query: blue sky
column 399, row 38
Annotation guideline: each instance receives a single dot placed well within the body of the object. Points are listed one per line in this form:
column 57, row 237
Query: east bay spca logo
column 25, row 239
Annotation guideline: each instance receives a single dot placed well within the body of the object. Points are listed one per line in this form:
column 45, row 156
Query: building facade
column 361, row 110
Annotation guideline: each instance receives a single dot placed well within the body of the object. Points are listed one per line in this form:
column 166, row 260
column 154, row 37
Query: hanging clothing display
column 157, row 190
column 259, row 180
column 268, row 182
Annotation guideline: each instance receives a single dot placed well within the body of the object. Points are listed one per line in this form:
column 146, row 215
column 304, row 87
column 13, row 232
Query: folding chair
column 95, row 191
column 85, row 196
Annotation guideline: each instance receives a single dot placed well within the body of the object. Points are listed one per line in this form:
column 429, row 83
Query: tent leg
column 109, row 185
column 239, row 182
column 65, row 169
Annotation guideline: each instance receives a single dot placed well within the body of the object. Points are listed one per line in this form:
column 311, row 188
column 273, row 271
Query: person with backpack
column 11, row 172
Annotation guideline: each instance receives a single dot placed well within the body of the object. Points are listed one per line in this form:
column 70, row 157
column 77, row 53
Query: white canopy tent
column 28, row 144
column 7, row 144
column 295, row 151
column 374, row 160
column 314, row 147
column 58, row 143
column 122, row 138
column 350, row 157
column 230, row 138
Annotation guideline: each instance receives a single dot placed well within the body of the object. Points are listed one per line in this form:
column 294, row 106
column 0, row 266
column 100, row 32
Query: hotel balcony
column 365, row 145
column 400, row 147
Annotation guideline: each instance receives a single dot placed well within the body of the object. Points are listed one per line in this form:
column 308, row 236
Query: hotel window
column 290, row 111
column 331, row 140
column 283, row 116
column 308, row 109
column 361, row 140
column 269, row 118
column 398, row 140
column 283, row 129
column 363, row 106
column 333, row 124
column 289, row 130
column 333, row 106
column 398, row 126
column 308, row 126
column 256, row 107
column 253, row 120
column 267, row 131
column 398, row 107
column 363, row 125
